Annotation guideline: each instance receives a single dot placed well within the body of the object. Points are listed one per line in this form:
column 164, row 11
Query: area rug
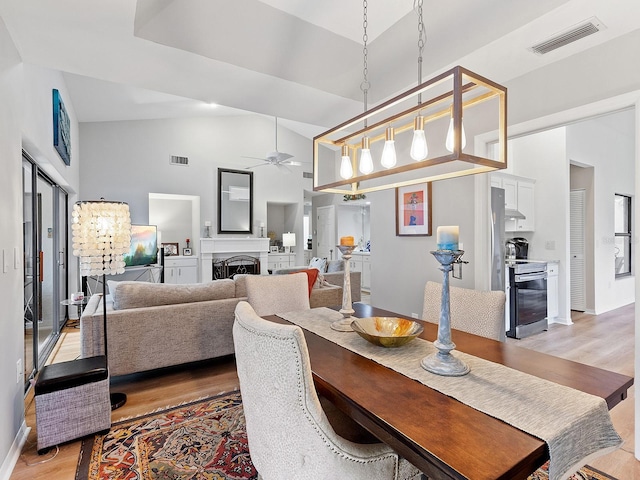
column 199, row 440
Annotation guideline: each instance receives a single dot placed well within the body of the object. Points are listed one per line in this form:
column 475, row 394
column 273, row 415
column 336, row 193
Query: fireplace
column 215, row 250
column 232, row 266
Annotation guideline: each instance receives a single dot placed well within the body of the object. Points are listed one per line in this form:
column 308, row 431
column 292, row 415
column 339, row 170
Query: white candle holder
column 344, row 325
column 442, row 362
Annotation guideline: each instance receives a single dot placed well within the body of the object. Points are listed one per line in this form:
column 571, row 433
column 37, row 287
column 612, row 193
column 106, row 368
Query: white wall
column 400, row 266
column 11, row 326
column 611, row 152
column 127, row 160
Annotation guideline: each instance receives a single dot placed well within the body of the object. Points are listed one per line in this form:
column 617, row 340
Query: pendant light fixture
column 400, row 122
column 389, row 158
column 419, row 149
column 346, row 169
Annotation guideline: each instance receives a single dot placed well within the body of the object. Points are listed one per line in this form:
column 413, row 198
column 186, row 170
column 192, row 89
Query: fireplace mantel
column 225, row 247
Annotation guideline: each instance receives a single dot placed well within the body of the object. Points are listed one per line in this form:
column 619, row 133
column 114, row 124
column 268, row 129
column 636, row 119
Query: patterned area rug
column 200, row 440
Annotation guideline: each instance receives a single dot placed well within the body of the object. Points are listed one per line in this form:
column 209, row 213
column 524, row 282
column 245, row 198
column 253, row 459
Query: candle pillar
column 447, row 237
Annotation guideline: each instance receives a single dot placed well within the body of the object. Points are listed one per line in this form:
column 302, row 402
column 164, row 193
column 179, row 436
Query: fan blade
column 259, row 165
column 278, row 156
column 291, row 162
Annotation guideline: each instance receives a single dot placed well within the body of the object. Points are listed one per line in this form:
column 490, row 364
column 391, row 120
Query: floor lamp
column 101, row 237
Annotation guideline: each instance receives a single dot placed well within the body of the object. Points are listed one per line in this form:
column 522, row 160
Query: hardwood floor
column 606, row 341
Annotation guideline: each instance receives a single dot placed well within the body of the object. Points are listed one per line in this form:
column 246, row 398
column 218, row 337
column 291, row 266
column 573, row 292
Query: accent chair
column 288, row 432
column 472, row 311
column 273, row 294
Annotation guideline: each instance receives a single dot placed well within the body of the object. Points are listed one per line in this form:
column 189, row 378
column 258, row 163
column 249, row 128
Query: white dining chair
column 288, row 432
column 472, row 311
column 273, row 294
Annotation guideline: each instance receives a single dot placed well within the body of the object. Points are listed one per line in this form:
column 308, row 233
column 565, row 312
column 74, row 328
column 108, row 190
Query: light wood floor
column 606, row 341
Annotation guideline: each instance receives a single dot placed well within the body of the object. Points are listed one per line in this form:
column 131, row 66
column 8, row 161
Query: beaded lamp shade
column 101, row 236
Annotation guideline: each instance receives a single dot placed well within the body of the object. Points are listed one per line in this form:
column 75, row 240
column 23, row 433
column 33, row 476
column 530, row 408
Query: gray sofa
column 335, row 278
column 156, row 325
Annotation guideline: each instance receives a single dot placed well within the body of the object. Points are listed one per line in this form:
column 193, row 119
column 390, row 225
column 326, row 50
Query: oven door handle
column 525, row 277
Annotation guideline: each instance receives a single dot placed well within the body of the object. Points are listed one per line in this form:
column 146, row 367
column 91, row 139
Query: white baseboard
column 14, row 452
column 562, row 321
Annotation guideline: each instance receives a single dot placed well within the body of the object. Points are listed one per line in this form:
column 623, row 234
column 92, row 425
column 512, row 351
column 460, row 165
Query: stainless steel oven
column 527, row 298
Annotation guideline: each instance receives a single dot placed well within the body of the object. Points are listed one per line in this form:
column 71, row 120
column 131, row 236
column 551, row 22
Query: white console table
column 220, row 248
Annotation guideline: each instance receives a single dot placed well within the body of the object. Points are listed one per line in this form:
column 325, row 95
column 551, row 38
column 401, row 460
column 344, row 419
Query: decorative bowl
column 387, row 331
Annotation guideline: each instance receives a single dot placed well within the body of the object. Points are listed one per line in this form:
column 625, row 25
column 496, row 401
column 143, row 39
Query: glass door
column 45, row 260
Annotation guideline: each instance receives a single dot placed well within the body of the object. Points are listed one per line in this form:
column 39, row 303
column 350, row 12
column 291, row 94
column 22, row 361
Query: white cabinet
column 180, row 269
column 278, row 261
column 361, row 262
column 552, row 291
column 518, row 195
column 308, row 255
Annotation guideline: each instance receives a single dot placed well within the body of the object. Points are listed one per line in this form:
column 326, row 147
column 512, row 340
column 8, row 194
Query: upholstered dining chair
column 288, row 432
column 472, row 311
column 273, row 294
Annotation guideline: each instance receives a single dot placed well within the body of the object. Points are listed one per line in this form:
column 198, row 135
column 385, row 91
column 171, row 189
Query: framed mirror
column 235, row 201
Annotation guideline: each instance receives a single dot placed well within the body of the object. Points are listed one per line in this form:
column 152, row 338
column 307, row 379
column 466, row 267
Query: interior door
column 326, row 226
column 576, row 250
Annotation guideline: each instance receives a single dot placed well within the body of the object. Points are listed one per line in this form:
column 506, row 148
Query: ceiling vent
column 175, row 160
column 573, row 34
column 307, row 175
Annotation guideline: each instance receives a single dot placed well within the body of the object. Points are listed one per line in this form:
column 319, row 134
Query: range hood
column 511, row 214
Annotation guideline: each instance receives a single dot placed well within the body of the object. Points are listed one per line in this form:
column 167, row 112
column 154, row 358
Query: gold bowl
column 387, row 331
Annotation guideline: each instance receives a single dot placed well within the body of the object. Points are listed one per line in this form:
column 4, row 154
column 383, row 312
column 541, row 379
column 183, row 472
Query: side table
column 80, row 304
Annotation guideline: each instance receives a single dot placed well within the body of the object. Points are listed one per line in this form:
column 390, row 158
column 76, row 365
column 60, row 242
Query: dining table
column 444, row 437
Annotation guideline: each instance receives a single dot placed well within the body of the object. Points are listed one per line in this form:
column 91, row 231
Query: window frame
column 627, row 235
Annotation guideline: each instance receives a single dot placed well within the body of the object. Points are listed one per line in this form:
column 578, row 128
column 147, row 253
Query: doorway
column 45, row 259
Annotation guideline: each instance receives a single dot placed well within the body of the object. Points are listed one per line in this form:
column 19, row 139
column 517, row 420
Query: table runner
column 575, row 425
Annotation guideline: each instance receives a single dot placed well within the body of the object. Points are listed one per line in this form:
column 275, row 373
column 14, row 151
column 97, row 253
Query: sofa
column 156, row 325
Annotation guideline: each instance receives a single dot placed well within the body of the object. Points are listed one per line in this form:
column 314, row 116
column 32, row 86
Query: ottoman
column 72, row 401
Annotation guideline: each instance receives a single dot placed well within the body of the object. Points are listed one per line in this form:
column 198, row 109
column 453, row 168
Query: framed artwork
column 186, row 252
column 170, row 249
column 273, row 249
column 61, row 128
column 413, row 210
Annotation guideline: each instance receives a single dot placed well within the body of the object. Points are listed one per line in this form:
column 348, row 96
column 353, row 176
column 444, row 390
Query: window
column 622, row 219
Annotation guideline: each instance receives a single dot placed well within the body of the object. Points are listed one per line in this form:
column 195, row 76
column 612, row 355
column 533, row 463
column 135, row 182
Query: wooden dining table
column 443, row 437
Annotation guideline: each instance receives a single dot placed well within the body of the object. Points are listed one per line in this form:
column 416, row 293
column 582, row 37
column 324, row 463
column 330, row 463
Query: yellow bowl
column 387, row 331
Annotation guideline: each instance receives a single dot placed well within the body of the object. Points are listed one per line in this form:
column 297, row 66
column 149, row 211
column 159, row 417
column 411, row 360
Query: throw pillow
column 312, row 275
column 335, row 266
column 319, row 263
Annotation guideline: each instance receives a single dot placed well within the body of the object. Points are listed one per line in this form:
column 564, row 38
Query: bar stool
column 72, row 401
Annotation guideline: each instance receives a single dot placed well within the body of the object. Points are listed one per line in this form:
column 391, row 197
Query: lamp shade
column 101, row 236
column 289, row 239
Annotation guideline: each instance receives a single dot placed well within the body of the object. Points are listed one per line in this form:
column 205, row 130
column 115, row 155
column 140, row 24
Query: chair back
column 473, row 311
column 288, row 432
column 273, row 294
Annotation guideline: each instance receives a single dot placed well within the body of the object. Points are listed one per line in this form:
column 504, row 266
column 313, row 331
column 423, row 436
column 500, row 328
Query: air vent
column 307, row 175
column 175, row 160
column 582, row 30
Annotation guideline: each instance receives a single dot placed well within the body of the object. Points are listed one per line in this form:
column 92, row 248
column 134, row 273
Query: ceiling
column 301, row 61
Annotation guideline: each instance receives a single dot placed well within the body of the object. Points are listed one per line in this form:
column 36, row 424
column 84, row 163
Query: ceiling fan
column 276, row 158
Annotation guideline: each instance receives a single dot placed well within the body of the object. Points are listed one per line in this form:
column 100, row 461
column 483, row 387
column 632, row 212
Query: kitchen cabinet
column 552, row 291
column 278, row 261
column 180, row 269
column 361, row 262
column 518, row 195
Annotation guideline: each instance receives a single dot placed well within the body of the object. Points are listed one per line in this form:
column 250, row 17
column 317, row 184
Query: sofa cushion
column 319, row 263
column 335, row 266
column 130, row 294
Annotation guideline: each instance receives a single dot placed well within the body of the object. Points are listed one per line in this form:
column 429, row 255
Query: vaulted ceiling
column 298, row 60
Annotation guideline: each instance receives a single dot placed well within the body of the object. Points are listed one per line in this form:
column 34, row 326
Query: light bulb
column 419, row 149
column 388, row 159
column 449, row 141
column 366, row 162
column 346, row 169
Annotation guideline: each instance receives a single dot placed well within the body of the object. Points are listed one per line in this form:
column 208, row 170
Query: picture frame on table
column 186, row 252
column 170, row 249
column 273, row 249
column 413, row 210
